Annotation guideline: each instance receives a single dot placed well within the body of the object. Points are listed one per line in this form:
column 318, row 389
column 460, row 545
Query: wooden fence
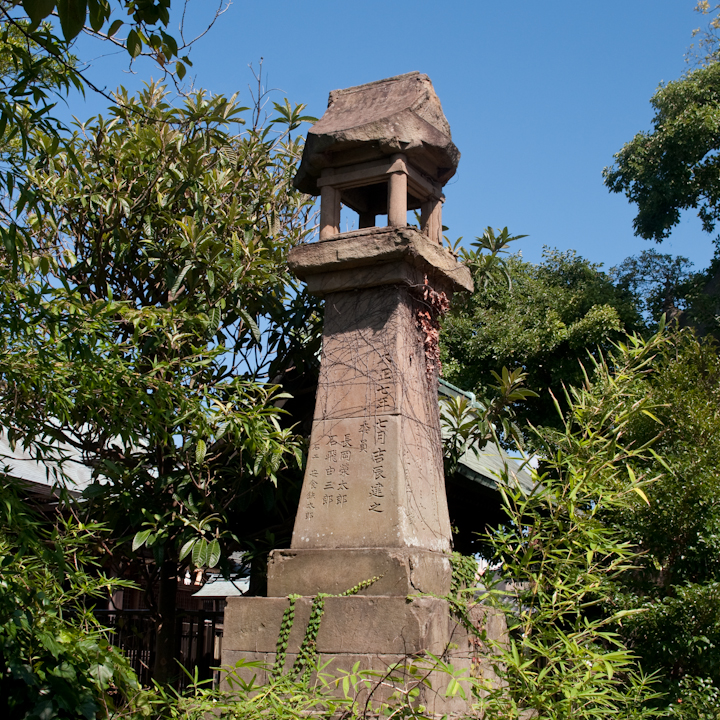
column 198, row 641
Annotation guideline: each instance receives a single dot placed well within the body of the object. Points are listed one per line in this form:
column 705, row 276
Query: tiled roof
column 489, row 465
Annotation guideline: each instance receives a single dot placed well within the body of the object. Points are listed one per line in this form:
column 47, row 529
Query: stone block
column 379, row 633
column 366, row 624
column 402, row 571
column 374, row 248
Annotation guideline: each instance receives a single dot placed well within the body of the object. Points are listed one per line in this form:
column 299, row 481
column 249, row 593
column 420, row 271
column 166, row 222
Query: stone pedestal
column 401, row 572
column 377, row 632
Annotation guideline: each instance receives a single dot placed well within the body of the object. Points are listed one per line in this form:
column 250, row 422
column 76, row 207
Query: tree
column 708, row 39
column 676, row 166
column 659, row 283
column 544, row 321
column 664, row 285
column 39, row 69
column 145, row 326
column 87, row 360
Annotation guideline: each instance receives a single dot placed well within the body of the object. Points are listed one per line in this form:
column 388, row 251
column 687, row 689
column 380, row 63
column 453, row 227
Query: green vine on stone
column 308, row 648
column 284, row 635
column 360, row 586
column 464, row 572
column 307, row 653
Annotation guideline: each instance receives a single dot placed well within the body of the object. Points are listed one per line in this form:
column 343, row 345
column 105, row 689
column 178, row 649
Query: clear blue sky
column 539, row 96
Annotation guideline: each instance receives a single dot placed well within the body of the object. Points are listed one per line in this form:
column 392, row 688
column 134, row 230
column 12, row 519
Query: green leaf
column 133, row 44
column 186, row 548
column 97, row 14
column 114, row 27
column 213, row 555
column 248, row 320
column 38, row 10
column 200, row 451
column 178, row 280
column 140, row 539
column 200, row 553
column 180, row 70
column 72, row 17
column 214, row 319
column 641, row 494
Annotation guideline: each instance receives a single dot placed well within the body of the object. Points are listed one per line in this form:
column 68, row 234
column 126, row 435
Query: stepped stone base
column 401, row 571
column 378, row 632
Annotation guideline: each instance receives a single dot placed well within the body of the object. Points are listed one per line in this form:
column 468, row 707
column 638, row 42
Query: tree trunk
column 166, row 669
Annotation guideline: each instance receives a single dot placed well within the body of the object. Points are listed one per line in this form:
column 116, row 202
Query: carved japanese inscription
column 351, row 473
column 374, row 475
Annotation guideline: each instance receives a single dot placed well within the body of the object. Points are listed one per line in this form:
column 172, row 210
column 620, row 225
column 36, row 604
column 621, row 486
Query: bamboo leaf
column 641, row 494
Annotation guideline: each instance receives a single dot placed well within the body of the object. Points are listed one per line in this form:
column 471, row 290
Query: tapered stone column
column 373, row 500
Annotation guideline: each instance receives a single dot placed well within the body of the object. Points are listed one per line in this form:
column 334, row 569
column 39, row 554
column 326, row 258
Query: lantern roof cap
column 401, row 114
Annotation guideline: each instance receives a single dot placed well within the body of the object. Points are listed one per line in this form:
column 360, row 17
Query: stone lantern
column 373, row 501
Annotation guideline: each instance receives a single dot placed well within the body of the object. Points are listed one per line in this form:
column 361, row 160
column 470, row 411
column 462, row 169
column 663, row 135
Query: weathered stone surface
column 378, row 633
column 374, row 476
column 373, row 253
column 401, row 114
column 403, row 572
column 367, row 624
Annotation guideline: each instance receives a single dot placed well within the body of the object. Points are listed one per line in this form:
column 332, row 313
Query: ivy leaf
column 72, row 17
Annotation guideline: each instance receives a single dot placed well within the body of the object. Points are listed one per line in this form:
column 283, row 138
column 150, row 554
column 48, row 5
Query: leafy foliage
column 659, row 283
column 153, row 264
column 146, row 18
column 543, row 323
column 678, row 578
column 556, row 555
column 470, row 426
column 675, row 166
column 55, row 660
column 144, row 326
